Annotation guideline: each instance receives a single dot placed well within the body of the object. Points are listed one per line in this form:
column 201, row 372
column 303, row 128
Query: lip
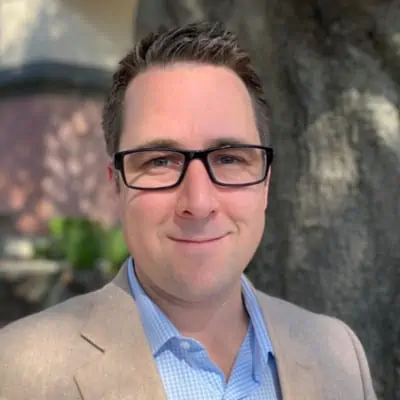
column 197, row 241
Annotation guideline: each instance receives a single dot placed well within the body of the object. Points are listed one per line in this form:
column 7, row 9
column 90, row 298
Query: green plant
column 77, row 240
column 52, row 247
column 57, row 226
column 115, row 249
column 82, row 242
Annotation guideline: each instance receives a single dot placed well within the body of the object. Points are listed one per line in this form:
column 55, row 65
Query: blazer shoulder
column 65, row 315
column 38, row 353
column 305, row 323
column 44, row 333
column 295, row 313
column 330, row 340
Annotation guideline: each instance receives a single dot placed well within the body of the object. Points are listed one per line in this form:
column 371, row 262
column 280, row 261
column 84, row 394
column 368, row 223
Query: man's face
column 192, row 242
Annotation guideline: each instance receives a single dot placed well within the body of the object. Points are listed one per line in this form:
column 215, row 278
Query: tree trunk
column 332, row 76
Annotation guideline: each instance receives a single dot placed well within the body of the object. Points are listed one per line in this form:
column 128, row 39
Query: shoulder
column 315, row 329
column 38, row 351
column 299, row 318
column 64, row 316
column 328, row 340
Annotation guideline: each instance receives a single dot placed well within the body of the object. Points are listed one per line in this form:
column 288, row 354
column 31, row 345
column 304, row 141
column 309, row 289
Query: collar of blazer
column 125, row 369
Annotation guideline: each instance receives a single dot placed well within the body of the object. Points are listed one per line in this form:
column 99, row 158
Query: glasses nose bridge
column 197, row 155
column 200, row 155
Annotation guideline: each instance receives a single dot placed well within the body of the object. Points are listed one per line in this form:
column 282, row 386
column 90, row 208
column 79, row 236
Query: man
column 186, row 124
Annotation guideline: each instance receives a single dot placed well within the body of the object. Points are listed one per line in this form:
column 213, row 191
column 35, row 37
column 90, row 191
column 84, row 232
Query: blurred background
column 332, row 76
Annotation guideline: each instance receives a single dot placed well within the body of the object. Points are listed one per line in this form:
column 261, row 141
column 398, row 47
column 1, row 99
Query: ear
column 113, row 191
column 266, row 190
column 111, row 177
column 110, row 171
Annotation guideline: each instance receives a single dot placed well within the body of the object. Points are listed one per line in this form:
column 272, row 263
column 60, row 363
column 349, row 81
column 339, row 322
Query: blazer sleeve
column 369, row 393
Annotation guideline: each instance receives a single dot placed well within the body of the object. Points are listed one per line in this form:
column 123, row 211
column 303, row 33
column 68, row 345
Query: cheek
column 145, row 211
column 246, row 207
column 247, row 210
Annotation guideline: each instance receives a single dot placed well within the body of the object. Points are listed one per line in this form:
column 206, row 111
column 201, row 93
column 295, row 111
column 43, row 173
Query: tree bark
column 332, row 77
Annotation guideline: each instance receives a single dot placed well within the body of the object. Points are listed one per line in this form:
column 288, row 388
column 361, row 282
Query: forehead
column 191, row 104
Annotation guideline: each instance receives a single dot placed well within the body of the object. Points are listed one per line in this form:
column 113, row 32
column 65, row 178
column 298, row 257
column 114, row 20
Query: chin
column 198, row 292
column 205, row 282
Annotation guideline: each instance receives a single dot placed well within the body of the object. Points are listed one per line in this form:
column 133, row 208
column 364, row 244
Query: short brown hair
column 202, row 42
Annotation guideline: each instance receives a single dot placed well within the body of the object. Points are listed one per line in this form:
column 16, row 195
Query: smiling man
column 187, row 127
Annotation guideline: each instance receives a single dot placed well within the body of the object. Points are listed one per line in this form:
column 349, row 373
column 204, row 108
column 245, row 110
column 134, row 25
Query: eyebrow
column 168, row 143
column 174, row 144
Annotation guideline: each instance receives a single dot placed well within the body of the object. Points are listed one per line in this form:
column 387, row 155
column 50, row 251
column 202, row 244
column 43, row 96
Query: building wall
column 53, row 160
column 56, row 58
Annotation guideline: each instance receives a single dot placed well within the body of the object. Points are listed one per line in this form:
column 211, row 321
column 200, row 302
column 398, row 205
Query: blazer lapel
column 124, row 367
column 297, row 369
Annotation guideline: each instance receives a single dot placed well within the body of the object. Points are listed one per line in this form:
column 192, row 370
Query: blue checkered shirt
column 185, row 368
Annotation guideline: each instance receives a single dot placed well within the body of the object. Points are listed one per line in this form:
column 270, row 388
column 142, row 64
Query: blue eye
column 227, row 159
column 159, row 162
column 164, row 161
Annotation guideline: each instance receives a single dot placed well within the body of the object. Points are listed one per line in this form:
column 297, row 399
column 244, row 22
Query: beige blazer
column 93, row 347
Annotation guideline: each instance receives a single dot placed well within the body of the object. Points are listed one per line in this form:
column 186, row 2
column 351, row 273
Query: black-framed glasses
column 157, row 168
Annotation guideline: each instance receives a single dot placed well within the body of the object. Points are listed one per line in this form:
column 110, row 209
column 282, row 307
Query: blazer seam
column 351, row 335
column 79, row 389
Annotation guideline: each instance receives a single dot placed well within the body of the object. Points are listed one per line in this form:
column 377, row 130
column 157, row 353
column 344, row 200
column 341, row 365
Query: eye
column 159, row 162
column 164, row 161
column 228, row 159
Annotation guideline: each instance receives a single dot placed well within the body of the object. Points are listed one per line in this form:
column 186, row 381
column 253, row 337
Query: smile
column 197, row 241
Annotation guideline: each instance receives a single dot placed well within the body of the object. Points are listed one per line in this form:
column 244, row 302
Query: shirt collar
column 262, row 343
column 159, row 329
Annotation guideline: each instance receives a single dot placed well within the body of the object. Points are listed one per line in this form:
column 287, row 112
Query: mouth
column 197, row 241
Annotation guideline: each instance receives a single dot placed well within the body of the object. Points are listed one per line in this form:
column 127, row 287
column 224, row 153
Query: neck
column 219, row 324
column 192, row 318
column 209, row 318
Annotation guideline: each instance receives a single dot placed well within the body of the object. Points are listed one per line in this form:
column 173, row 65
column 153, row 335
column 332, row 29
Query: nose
column 196, row 198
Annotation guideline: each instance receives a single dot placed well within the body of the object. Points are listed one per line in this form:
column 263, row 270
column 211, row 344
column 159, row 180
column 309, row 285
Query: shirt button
column 185, row 345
